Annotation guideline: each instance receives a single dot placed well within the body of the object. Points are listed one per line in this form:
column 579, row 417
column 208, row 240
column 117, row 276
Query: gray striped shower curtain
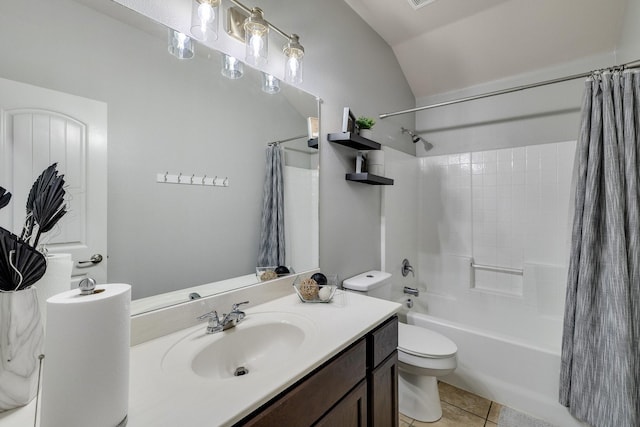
column 600, row 370
column 271, row 250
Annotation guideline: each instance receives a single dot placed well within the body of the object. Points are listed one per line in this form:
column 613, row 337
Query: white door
column 37, row 128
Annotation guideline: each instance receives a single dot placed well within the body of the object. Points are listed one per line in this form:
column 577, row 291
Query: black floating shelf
column 369, row 178
column 312, row 143
column 353, row 140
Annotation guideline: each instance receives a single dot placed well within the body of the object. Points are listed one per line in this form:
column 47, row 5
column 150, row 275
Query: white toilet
column 423, row 355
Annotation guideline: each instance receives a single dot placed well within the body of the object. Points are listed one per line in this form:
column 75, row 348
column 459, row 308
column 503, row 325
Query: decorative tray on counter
column 316, row 288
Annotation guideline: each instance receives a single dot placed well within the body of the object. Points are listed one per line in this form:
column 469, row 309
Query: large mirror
column 171, row 116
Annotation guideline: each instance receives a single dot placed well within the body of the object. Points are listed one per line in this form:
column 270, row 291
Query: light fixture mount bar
column 273, row 27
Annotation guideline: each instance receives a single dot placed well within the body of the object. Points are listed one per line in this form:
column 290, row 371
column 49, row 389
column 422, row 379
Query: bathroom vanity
column 308, row 364
column 329, row 364
column 363, row 384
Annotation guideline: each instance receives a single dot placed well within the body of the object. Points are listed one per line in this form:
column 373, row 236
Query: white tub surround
column 171, row 396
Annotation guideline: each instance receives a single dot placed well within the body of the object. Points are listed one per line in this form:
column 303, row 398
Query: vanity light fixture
column 254, row 31
column 256, row 37
column 180, row 45
column 294, row 52
column 232, row 68
column 270, row 84
column 204, row 19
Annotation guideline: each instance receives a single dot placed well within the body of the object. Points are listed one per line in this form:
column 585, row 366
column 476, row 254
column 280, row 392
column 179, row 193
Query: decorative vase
column 21, row 340
column 366, row 133
column 56, row 279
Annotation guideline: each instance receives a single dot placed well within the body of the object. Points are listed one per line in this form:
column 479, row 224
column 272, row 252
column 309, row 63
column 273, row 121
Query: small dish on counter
column 316, row 288
column 273, row 272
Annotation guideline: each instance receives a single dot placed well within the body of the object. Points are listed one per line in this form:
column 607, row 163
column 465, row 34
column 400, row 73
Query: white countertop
column 178, row 397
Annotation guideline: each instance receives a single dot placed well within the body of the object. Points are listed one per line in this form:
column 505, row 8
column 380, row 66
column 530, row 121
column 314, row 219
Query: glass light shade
column 232, row 68
column 270, row 84
column 204, row 19
column 180, row 45
column 293, row 52
column 256, row 38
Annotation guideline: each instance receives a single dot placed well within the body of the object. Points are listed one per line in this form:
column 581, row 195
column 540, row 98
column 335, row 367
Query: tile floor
column 460, row 409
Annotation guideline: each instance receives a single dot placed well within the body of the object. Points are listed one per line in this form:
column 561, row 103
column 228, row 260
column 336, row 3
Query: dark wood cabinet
column 383, row 390
column 382, row 374
column 350, row 411
column 356, row 388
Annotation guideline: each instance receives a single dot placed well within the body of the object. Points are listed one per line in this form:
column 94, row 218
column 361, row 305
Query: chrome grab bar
column 517, row 271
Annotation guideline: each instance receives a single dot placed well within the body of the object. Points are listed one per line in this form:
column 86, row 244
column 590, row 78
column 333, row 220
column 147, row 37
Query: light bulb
column 294, row 52
column 204, row 23
column 206, row 14
column 180, row 45
column 294, row 66
column 256, row 44
column 256, row 38
column 180, row 40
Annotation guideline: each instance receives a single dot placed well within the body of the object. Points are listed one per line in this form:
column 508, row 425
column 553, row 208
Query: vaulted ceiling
column 452, row 44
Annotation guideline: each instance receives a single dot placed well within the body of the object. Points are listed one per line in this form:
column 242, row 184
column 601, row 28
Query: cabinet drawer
column 382, row 342
column 309, row 400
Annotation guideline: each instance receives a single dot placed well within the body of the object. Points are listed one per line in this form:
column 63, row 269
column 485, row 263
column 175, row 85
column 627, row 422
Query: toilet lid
column 423, row 342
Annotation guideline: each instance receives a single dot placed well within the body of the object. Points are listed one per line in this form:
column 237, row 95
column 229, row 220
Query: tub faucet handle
column 406, row 268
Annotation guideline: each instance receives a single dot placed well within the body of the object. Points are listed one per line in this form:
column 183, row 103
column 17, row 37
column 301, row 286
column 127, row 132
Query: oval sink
column 262, row 342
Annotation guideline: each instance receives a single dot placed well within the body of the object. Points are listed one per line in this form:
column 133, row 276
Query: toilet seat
column 420, row 342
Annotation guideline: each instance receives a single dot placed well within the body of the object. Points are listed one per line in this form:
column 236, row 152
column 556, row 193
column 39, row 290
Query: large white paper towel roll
column 86, row 366
column 56, row 279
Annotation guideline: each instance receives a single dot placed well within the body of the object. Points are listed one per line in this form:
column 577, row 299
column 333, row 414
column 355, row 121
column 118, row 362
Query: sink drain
column 240, row 371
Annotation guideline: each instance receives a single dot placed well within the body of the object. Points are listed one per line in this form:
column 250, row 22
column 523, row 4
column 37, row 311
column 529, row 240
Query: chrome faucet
column 234, row 317
column 228, row 321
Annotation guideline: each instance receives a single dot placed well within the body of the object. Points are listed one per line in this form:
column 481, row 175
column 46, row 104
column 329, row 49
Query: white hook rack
column 180, row 178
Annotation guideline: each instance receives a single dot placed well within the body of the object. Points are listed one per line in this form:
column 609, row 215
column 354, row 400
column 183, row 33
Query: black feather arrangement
column 5, row 197
column 21, row 264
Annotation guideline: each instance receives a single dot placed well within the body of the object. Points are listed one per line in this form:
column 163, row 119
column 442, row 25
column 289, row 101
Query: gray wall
column 346, row 64
column 163, row 115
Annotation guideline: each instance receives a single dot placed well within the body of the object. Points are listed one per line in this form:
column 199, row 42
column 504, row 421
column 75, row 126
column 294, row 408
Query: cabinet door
column 311, row 399
column 350, row 411
column 383, row 393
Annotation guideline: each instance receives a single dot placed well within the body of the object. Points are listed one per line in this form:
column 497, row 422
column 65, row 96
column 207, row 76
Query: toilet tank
column 373, row 283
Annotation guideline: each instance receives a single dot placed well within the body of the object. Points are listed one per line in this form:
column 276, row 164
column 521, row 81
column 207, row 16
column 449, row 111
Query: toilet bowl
column 423, row 355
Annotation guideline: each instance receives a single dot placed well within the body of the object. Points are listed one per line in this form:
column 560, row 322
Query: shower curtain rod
column 628, row 65
column 286, row 140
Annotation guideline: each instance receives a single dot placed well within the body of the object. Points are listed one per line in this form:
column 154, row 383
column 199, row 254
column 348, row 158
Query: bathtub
column 506, row 370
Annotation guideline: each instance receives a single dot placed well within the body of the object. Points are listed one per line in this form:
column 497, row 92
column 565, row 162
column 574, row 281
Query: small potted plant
column 364, row 125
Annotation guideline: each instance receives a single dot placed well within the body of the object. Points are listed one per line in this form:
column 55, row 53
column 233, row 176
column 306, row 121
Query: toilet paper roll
column 86, row 367
column 56, row 279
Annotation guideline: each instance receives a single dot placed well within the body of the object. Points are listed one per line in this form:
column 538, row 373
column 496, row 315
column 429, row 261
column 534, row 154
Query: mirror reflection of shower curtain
column 271, row 251
column 600, row 370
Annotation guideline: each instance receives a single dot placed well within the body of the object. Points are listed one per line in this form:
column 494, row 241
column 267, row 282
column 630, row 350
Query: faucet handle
column 214, row 321
column 210, row 315
column 235, row 306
